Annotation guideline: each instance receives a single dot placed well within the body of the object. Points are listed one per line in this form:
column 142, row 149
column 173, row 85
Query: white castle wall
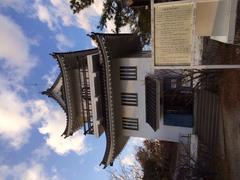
column 168, row 133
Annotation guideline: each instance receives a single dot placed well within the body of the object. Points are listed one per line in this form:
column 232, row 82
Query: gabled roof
column 113, row 46
column 56, row 92
column 68, row 61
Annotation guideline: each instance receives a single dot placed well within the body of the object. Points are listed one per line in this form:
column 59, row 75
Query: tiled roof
column 113, row 46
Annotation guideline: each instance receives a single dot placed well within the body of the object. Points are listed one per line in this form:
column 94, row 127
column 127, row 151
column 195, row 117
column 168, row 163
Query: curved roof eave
column 110, row 125
column 62, row 59
column 67, row 132
column 108, row 45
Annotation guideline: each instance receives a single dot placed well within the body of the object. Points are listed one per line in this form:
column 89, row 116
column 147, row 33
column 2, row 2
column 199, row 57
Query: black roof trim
column 63, row 79
column 106, row 125
column 93, row 50
column 108, row 50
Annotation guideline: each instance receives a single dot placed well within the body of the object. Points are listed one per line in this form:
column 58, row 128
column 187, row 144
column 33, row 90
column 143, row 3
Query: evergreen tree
column 137, row 18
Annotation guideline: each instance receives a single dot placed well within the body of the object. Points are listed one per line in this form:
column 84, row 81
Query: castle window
column 128, row 73
column 151, row 102
column 130, row 123
column 129, row 99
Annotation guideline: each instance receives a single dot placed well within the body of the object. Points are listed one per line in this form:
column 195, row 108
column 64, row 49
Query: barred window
column 130, row 123
column 129, row 99
column 128, row 73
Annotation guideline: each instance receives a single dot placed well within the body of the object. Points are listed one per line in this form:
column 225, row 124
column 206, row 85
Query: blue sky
column 31, row 124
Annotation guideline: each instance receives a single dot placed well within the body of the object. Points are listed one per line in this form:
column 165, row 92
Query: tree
column 126, row 172
column 77, row 6
column 137, row 18
column 154, row 160
column 157, row 159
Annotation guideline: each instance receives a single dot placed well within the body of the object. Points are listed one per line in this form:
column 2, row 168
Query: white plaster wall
column 224, row 27
column 168, row 133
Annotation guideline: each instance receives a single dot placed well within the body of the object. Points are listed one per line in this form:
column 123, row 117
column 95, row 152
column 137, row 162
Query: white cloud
column 35, row 40
column 97, row 168
column 41, row 153
column 110, row 26
column 128, row 155
column 135, row 141
column 125, row 29
column 83, row 22
column 63, row 11
column 88, row 18
column 93, row 43
column 19, row 6
column 13, row 118
column 129, row 160
column 57, row 13
column 27, row 171
column 45, row 15
column 63, row 42
column 15, row 48
column 51, row 76
column 53, row 124
column 16, row 60
column 17, row 116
